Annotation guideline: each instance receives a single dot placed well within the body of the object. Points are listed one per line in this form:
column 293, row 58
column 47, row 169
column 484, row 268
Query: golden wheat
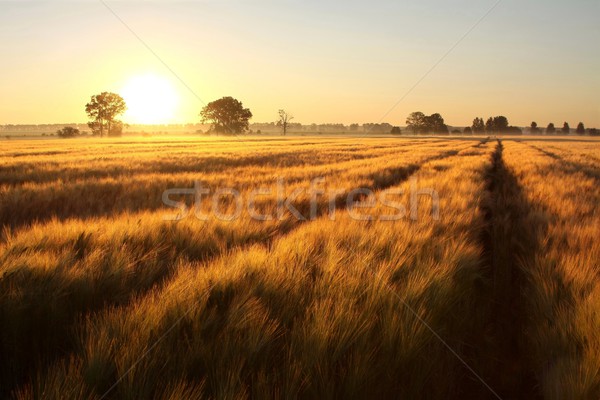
column 477, row 276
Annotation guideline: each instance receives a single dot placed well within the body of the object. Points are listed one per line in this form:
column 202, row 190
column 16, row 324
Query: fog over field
column 299, row 200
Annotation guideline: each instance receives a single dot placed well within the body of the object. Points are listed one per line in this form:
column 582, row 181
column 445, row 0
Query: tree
column 396, row 130
column 67, row 132
column 594, row 132
column 580, row 129
column 227, row 115
column 478, row 125
column 116, row 129
column 497, row 124
column 468, row 130
column 435, row 124
column 284, row 120
column 371, row 127
column 420, row 123
column 550, row 129
column 566, row 129
column 501, row 123
column 416, row 122
column 534, row 128
column 103, row 109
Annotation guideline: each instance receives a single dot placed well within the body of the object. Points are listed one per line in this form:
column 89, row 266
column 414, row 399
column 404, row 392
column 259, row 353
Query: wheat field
column 462, row 268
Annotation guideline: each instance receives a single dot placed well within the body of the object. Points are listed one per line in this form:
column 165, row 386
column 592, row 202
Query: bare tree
column 284, row 119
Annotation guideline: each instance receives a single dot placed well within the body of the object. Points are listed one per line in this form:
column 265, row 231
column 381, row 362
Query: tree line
column 229, row 116
column 418, row 122
column 566, row 129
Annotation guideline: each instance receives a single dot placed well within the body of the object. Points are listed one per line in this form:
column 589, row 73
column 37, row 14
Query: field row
column 107, row 196
column 485, row 287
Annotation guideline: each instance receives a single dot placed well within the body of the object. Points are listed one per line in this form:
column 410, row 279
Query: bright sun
column 150, row 99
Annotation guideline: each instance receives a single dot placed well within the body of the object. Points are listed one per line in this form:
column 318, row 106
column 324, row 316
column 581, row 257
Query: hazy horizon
column 323, row 62
column 258, row 199
column 403, row 125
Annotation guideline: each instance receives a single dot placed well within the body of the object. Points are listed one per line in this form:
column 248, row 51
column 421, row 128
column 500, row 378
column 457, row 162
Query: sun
column 150, row 99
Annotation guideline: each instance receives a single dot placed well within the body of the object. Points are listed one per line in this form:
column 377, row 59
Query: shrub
column 68, row 132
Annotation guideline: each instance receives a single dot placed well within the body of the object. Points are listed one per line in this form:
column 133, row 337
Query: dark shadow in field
column 40, row 308
column 82, row 199
column 43, row 322
column 510, row 239
column 34, row 172
column 571, row 167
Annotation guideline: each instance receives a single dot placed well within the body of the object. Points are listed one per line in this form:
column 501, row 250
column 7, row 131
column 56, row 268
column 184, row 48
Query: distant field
column 462, row 268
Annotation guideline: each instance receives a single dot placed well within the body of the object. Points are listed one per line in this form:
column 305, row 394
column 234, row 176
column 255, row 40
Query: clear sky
column 324, row 61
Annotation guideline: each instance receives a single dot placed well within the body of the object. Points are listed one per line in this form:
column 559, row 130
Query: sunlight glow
column 150, row 99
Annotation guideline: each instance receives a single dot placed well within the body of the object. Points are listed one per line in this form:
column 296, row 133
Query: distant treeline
column 228, row 116
column 433, row 124
column 316, row 128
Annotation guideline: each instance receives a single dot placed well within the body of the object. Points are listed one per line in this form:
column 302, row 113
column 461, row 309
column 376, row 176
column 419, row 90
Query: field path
column 499, row 348
column 55, row 334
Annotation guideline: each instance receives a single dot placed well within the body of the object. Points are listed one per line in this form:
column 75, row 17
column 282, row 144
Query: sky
column 323, row 61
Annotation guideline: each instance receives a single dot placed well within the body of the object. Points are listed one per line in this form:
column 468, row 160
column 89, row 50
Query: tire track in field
column 199, row 162
column 206, row 164
column 500, row 347
column 401, row 174
column 23, row 205
column 38, row 356
column 569, row 166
